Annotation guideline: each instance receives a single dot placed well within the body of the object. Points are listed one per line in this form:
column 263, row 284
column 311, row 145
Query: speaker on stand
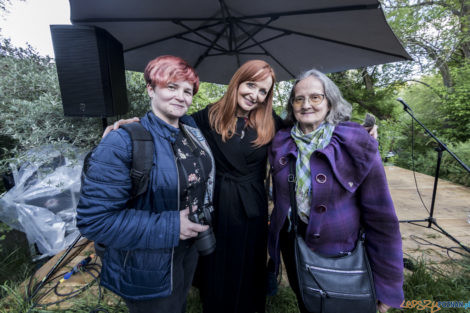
column 90, row 67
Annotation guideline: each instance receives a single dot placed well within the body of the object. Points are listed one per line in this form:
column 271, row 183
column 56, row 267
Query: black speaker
column 90, row 66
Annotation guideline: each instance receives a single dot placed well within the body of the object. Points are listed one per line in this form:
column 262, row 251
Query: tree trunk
column 367, row 79
column 441, row 64
column 465, row 29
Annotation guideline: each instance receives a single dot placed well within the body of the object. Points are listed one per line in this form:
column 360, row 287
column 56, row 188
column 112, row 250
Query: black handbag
column 331, row 284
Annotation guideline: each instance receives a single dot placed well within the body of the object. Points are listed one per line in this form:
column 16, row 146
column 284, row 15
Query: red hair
column 168, row 68
column 222, row 114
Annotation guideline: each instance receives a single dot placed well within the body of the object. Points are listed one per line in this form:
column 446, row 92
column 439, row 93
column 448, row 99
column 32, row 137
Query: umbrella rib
column 358, row 7
column 242, row 53
column 261, row 27
column 206, row 53
column 198, row 34
column 225, row 12
column 330, row 40
column 267, row 53
column 143, row 19
column 266, row 40
column 170, row 37
column 228, row 19
column 200, row 43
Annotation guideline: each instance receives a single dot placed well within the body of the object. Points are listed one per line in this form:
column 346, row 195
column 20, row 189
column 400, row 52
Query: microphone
column 405, row 105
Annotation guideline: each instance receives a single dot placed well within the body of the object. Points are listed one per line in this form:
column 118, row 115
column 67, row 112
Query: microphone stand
column 440, row 148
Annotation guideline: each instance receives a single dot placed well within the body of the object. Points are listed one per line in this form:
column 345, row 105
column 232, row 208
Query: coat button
column 321, row 208
column 283, row 161
column 320, row 178
column 316, row 236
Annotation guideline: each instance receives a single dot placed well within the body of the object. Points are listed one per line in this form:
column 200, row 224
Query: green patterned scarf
column 307, row 144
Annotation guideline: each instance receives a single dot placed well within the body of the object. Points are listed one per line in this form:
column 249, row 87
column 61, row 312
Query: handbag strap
column 293, row 201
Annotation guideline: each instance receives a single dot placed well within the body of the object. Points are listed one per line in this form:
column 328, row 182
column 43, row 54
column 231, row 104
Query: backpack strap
column 142, row 157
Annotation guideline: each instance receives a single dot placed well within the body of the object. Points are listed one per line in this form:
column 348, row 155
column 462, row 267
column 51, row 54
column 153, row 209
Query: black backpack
column 142, row 158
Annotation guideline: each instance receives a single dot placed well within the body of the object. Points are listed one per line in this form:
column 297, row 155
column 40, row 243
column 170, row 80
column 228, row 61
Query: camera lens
column 205, row 242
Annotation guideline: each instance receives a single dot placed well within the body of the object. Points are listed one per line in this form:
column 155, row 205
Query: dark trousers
column 286, row 242
column 184, row 265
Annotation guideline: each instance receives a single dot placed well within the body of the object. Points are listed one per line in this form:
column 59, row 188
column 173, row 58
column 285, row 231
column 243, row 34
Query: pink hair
column 169, row 68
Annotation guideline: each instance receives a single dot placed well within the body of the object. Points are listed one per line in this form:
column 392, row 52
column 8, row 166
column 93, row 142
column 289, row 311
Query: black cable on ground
column 58, row 265
column 426, row 242
column 67, row 296
column 30, row 294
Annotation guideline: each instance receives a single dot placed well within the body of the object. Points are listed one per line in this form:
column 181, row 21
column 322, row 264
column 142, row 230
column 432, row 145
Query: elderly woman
column 340, row 187
column 150, row 256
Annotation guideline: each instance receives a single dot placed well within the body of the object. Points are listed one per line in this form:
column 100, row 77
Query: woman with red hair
column 239, row 128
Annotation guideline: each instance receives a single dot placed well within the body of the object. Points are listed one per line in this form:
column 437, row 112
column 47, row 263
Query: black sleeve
column 201, row 117
column 279, row 123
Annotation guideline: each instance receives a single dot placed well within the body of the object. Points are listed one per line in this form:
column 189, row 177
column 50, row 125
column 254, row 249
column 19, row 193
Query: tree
column 436, row 33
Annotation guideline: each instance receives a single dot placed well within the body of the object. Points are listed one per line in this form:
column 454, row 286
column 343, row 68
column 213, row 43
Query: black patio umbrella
column 217, row 36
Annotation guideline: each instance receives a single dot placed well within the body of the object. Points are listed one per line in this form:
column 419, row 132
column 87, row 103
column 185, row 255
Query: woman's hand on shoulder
column 119, row 123
column 373, row 131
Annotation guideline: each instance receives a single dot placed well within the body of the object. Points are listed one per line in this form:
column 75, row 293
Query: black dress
column 233, row 278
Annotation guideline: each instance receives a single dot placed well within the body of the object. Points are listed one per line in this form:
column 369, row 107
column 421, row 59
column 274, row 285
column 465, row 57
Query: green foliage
column 14, row 300
column 139, row 102
column 456, row 104
column 283, row 301
column 425, row 162
column 447, row 119
column 16, row 261
column 389, row 138
column 207, row 94
column 357, row 87
column 31, row 111
column 428, row 282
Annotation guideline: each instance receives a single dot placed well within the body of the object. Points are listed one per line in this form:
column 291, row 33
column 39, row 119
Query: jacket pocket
column 148, row 268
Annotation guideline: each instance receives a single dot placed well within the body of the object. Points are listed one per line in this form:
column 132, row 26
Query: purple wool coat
column 349, row 189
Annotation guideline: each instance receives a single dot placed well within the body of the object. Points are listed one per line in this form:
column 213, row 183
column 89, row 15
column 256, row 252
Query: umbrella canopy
column 217, row 36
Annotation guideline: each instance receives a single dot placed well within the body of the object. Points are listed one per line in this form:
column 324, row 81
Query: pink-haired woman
column 150, row 256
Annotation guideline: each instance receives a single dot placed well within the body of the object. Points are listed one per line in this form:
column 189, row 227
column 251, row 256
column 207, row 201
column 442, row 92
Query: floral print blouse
column 194, row 166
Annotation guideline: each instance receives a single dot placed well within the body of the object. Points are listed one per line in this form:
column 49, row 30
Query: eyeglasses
column 314, row 98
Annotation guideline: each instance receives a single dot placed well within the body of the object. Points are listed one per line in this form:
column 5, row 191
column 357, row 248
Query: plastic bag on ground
column 44, row 199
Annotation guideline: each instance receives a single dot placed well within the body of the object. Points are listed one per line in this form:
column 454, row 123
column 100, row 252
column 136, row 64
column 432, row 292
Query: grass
column 426, row 282
column 430, row 282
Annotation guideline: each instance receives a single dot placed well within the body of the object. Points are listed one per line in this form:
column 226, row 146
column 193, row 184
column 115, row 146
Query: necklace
column 245, row 118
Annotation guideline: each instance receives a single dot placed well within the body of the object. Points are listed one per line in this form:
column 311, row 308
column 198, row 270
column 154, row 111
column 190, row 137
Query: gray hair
column 340, row 109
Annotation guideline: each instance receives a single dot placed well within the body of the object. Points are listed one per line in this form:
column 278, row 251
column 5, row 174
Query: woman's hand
column 382, row 307
column 189, row 229
column 119, row 123
column 373, row 131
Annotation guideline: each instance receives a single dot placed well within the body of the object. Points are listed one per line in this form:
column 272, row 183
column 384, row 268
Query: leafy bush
column 31, row 112
column 425, row 159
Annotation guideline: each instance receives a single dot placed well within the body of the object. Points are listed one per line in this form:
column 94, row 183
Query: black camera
column 205, row 241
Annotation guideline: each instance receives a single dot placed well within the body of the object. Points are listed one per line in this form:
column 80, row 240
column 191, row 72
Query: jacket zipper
column 311, row 267
column 177, row 208
column 351, row 295
column 125, row 258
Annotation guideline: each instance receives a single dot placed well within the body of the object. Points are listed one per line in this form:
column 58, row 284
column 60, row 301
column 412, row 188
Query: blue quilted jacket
column 140, row 240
